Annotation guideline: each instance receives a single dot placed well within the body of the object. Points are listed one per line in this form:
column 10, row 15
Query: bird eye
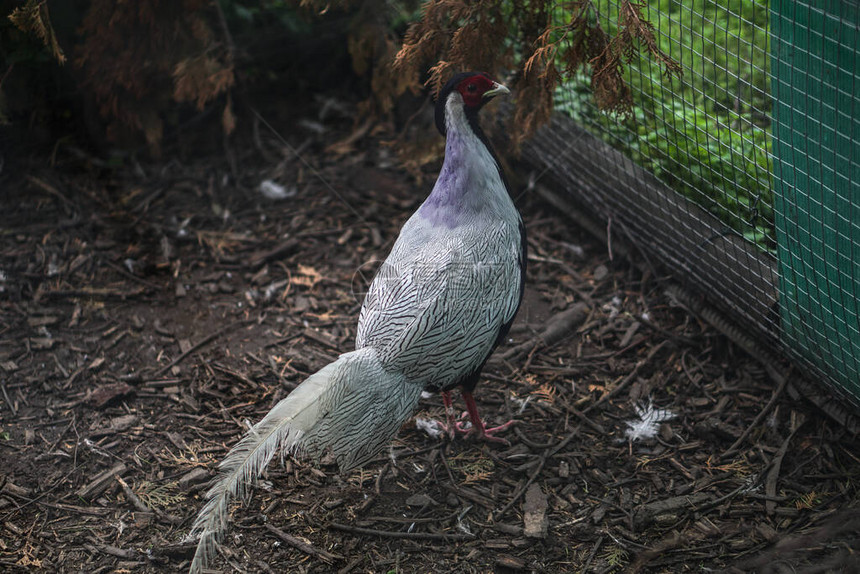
column 471, row 88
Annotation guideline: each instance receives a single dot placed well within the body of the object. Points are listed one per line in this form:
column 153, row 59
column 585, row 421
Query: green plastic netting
column 743, row 175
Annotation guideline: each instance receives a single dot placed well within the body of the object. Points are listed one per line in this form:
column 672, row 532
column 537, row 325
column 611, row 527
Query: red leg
column 451, row 426
column 478, row 427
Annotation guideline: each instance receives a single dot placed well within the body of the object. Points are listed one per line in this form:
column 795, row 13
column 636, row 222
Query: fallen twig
column 593, row 553
column 303, row 546
column 557, row 327
column 131, row 276
column 773, row 473
column 113, row 551
column 198, row 345
column 757, row 421
column 132, row 497
column 547, row 454
column 9, row 402
column 90, row 293
column 442, row 536
column 101, row 481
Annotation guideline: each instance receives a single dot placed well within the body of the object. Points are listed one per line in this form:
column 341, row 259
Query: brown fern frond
column 635, row 27
column 33, row 18
column 534, row 106
column 200, row 79
column 228, row 119
column 135, row 55
column 539, row 44
column 439, row 75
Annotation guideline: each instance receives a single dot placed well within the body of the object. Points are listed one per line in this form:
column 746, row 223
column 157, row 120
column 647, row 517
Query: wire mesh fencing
column 743, row 175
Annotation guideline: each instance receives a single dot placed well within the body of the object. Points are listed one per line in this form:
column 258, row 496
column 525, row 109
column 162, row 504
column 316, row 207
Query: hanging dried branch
column 634, row 27
column 525, row 37
column 199, row 79
column 458, row 34
column 135, row 55
column 33, row 18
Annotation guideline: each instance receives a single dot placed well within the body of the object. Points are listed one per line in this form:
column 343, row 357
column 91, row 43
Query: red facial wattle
column 473, row 89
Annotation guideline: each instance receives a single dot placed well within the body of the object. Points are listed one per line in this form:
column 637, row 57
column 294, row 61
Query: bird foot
column 487, row 434
column 484, row 433
column 475, row 426
column 447, row 429
column 452, row 427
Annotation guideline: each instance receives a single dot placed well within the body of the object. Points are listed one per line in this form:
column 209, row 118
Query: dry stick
column 581, row 416
column 377, row 487
column 349, row 567
column 826, row 533
column 141, row 505
column 93, row 293
column 527, row 441
column 460, row 491
column 471, row 495
column 377, row 490
column 311, row 168
column 235, row 374
column 627, row 379
column 399, row 520
column 555, row 330
column 9, row 402
column 37, row 500
column 131, row 276
column 773, row 398
column 131, row 496
column 101, row 481
column 440, row 537
column 112, row 550
column 745, row 342
column 62, row 434
column 773, row 473
column 197, row 346
column 447, row 468
column 547, row 453
column 303, row 546
column 593, row 552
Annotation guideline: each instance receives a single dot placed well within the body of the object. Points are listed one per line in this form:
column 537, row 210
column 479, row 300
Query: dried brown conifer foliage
column 33, row 18
column 373, row 46
column 137, row 56
column 542, row 41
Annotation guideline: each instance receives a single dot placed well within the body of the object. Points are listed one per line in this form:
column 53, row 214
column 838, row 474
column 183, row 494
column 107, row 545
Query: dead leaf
column 42, row 343
column 9, row 366
column 307, row 276
column 228, row 120
column 346, row 145
column 106, row 395
column 534, row 511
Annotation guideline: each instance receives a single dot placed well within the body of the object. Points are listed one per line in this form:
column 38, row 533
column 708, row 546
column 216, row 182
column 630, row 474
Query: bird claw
column 452, row 427
column 486, row 434
column 474, row 426
column 450, row 430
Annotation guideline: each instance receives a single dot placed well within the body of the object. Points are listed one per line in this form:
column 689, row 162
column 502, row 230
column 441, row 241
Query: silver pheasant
column 441, row 302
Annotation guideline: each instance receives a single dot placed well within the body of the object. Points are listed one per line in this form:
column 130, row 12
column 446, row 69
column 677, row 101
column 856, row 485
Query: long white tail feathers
column 351, row 408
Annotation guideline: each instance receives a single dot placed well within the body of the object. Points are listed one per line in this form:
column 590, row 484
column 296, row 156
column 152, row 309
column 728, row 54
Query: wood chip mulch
column 150, row 312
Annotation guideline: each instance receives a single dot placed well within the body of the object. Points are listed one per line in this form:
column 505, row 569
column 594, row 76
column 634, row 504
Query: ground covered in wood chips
column 150, row 311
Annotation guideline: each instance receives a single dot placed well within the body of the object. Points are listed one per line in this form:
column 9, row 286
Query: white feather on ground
column 648, row 423
column 430, row 426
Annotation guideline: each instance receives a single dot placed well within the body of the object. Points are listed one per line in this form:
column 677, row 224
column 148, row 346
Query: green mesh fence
column 743, row 175
column 816, row 134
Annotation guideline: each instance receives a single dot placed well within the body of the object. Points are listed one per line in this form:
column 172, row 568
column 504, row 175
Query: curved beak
column 497, row 90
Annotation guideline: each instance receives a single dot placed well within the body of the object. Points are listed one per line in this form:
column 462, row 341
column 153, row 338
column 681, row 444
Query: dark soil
column 150, row 312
